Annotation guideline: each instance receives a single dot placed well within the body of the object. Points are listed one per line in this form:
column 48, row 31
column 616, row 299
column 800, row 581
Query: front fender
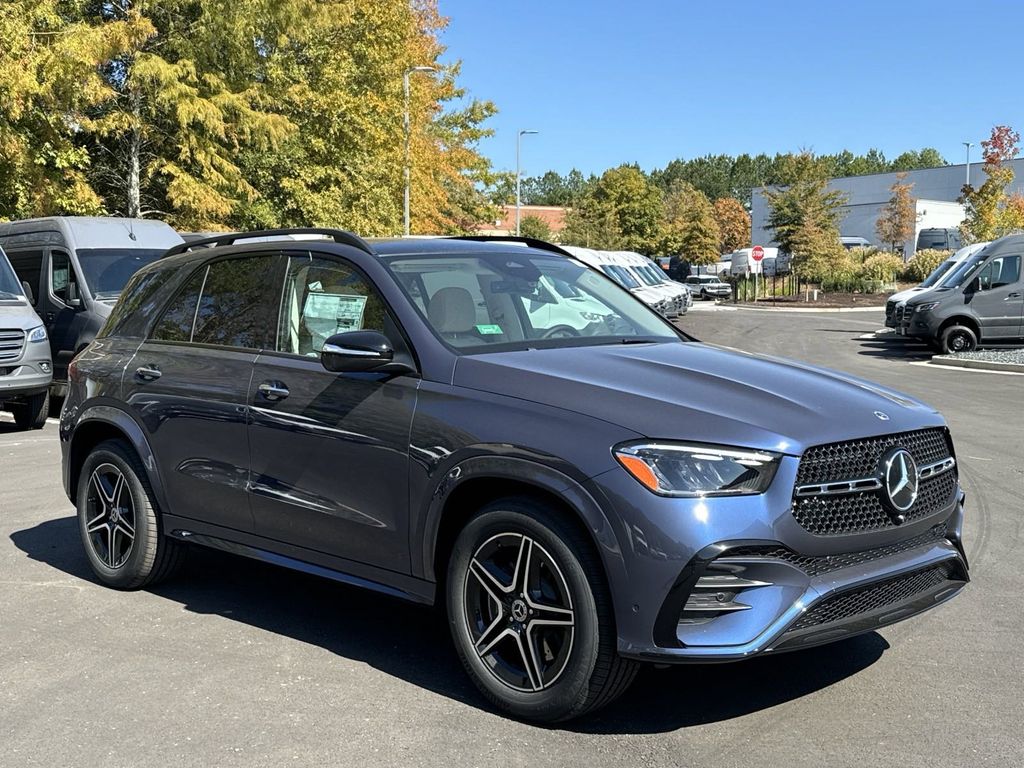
column 544, row 478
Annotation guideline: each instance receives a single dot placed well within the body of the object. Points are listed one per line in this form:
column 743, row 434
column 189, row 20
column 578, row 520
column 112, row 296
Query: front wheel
column 530, row 613
column 958, row 338
column 32, row 413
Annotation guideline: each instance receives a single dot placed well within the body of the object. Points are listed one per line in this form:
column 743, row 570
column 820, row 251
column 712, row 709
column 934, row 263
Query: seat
column 452, row 312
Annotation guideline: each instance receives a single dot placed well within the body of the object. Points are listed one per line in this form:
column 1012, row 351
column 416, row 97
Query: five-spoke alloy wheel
column 519, row 611
column 530, row 612
column 110, row 523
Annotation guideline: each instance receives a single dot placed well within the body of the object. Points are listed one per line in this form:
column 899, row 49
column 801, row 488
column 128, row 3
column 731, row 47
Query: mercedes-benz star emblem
column 900, row 481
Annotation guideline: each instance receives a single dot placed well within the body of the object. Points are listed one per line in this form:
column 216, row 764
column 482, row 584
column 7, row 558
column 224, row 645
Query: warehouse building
column 936, row 190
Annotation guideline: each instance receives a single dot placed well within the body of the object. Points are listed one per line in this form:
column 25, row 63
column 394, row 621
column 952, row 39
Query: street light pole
column 405, row 89
column 968, row 144
column 519, row 141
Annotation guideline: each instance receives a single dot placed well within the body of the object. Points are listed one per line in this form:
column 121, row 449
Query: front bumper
column 26, row 378
column 836, row 587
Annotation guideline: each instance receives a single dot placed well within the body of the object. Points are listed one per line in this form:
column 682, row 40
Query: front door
column 330, row 451
column 63, row 311
column 998, row 302
column 187, row 386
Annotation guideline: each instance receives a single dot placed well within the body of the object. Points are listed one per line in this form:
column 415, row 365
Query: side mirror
column 73, row 298
column 974, row 286
column 28, row 292
column 356, row 351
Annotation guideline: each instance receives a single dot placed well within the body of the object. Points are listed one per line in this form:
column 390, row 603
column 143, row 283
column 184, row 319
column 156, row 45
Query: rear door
column 330, row 451
column 188, row 382
column 999, row 301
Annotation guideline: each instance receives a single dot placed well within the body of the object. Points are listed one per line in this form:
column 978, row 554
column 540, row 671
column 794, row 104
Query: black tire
column 584, row 670
column 33, row 412
column 704, row 295
column 149, row 556
column 958, row 338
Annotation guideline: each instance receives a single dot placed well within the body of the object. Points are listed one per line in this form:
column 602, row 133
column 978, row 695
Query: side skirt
column 299, row 559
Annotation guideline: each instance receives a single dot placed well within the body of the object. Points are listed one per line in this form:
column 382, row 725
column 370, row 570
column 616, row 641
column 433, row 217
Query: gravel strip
column 1012, row 356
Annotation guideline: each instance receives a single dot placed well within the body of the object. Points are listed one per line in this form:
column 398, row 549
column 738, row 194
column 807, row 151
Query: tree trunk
column 135, row 160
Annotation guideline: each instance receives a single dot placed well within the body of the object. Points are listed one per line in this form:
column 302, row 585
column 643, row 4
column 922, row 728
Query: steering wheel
column 560, row 332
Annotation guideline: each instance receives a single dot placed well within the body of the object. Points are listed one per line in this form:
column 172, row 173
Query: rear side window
column 231, row 303
column 137, row 302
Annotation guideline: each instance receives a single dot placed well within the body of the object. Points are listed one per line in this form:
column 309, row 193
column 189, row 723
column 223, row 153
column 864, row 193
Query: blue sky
column 612, row 81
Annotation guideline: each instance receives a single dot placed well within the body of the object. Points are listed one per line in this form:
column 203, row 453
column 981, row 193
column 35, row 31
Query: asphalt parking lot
column 237, row 663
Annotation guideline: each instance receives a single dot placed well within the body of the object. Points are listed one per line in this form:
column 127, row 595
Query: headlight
column 37, row 334
column 693, row 469
column 592, row 317
column 926, row 307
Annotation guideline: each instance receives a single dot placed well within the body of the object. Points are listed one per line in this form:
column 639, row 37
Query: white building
column 936, row 189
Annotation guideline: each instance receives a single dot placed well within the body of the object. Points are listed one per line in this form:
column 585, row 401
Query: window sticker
column 486, row 330
column 326, row 314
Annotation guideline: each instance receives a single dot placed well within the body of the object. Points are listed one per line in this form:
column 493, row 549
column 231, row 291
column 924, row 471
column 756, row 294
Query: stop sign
column 757, row 253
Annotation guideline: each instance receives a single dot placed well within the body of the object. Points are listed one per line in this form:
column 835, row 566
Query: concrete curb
column 769, row 308
column 983, row 365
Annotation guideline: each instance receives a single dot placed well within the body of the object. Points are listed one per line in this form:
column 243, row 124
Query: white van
column 644, row 270
column 743, row 264
column 603, row 261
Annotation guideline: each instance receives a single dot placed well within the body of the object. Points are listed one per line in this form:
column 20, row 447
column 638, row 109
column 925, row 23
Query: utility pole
column 405, row 88
column 519, row 142
column 967, row 180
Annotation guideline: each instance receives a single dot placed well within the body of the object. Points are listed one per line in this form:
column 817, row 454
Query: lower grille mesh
column 872, row 597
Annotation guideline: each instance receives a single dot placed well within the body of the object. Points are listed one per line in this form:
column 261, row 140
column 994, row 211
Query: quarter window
column 176, row 323
column 322, row 298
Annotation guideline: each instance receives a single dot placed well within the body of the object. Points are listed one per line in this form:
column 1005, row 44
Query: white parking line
column 966, row 370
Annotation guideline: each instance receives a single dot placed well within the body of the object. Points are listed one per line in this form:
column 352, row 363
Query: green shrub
column 882, row 267
column 923, row 264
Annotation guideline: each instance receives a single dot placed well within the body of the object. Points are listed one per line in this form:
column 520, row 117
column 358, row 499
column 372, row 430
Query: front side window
column 504, row 301
column 230, row 303
column 28, row 268
column 322, row 298
column 1004, row 270
column 63, row 281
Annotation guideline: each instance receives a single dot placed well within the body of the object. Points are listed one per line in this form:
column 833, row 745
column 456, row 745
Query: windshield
column 9, row 286
column 484, row 303
column 959, row 275
column 657, row 275
column 940, row 270
column 107, row 270
column 646, row 277
column 620, row 275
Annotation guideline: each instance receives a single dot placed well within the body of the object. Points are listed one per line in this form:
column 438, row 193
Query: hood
column 904, row 295
column 103, row 307
column 693, row 391
column 18, row 315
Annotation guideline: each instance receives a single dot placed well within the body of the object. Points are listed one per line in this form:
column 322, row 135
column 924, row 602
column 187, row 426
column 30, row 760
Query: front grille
column 872, row 597
column 12, row 341
column 818, row 565
column 861, row 511
column 890, row 310
column 855, row 459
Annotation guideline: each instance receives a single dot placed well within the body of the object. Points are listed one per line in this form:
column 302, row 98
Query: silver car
column 25, row 366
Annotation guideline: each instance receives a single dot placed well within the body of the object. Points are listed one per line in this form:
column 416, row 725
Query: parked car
column 898, row 299
column 980, row 302
column 363, row 411
column 604, row 262
column 25, row 366
column 75, row 268
column 709, row 287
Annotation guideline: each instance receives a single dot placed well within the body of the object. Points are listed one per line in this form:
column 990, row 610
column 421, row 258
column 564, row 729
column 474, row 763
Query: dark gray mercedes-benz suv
column 495, row 427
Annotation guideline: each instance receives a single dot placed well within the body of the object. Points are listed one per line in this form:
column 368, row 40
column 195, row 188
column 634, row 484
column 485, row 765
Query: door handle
column 1012, row 296
column 148, row 374
column 273, row 390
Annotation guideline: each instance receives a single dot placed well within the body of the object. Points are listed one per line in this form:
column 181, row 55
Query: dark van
column 74, row 267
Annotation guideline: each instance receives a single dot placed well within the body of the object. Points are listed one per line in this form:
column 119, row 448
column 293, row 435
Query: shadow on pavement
column 411, row 642
column 888, row 347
